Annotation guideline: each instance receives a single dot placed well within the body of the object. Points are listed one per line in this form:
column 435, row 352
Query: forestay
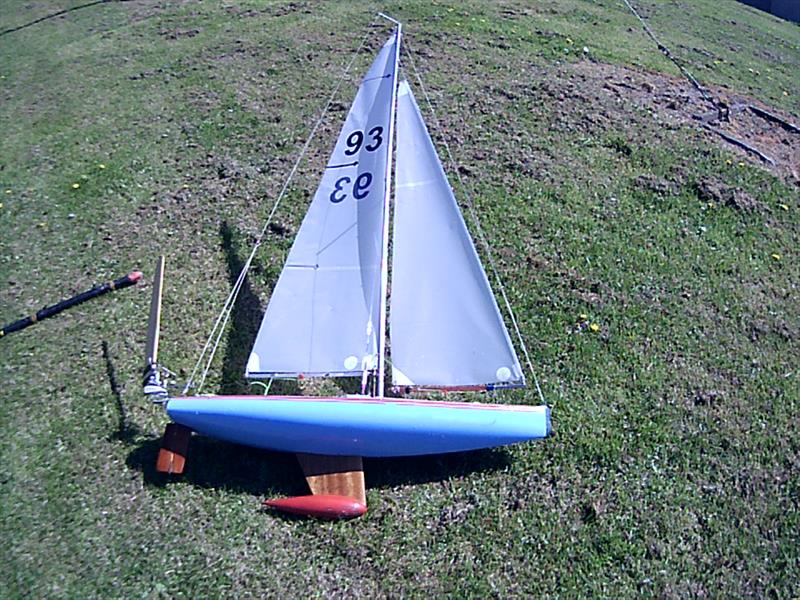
column 446, row 328
column 323, row 316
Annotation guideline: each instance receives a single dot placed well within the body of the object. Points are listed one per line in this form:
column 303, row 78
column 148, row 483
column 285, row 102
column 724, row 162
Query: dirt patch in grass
column 177, row 33
column 716, row 192
column 732, row 121
column 659, row 186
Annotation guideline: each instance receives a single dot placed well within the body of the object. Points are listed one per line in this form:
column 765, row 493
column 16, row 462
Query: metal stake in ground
column 49, row 311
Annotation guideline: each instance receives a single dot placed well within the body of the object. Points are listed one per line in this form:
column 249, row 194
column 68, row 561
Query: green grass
column 673, row 469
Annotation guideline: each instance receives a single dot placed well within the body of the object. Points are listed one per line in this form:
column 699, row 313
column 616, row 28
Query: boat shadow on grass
column 221, row 465
column 412, row 470
column 215, row 464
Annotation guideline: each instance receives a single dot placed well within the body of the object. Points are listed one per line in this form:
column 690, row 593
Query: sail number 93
column 360, row 187
column 356, row 139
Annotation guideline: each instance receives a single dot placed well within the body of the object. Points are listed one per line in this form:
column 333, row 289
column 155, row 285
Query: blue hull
column 359, row 426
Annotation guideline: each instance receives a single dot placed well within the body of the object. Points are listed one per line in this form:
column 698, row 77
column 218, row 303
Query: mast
column 386, row 205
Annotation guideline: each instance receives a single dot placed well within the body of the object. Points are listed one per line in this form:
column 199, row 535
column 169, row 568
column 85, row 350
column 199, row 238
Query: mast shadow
column 245, row 320
column 126, row 431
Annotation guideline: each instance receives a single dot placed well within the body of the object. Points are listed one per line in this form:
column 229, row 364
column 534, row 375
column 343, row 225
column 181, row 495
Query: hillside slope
column 137, row 128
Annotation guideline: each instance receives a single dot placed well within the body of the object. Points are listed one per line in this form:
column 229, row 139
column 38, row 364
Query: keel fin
column 334, row 475
column 337, row 488
column 321, row 507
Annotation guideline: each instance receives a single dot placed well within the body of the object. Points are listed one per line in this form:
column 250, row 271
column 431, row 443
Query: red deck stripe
column 426, row 403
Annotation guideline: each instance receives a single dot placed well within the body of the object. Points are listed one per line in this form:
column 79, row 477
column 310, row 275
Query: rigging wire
column 481, row 235
column 666, row 52
column 210, row 348
column 723, row 111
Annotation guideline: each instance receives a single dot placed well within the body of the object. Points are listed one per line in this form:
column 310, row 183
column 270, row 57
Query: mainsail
column 324, row 314
column 446, row 328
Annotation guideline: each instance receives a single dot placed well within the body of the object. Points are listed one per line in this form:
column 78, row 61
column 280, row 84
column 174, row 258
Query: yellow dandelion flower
column 728, row 162
column 1, row 205
column 75, row 186
column 583, row 316
column 101, row 166
column 783, row 206
column 594, row 327
column 741, row 164
column 776, row 256
column 8, row 191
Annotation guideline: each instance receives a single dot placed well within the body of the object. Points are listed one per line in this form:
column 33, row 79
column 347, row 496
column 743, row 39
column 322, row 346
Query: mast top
column 385, row 16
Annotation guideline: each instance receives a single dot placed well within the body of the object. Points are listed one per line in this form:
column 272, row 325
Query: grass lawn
column 135, row 128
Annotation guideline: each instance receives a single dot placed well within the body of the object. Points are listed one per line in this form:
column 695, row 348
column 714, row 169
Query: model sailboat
column 327, row 318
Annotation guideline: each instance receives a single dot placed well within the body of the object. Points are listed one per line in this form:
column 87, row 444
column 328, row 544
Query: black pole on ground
column 49, row 311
